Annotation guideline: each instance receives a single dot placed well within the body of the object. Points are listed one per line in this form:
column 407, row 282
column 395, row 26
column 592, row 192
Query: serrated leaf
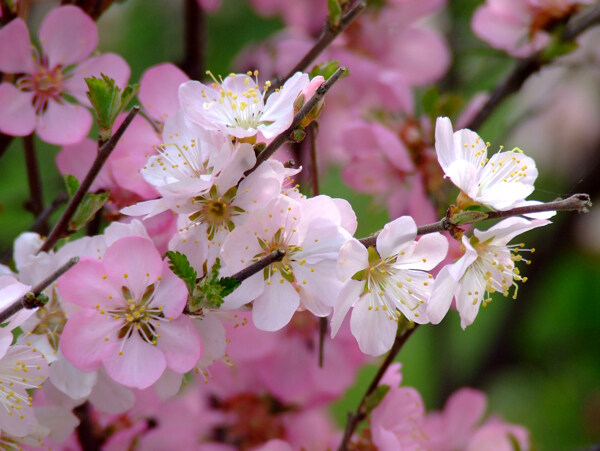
column 375, row 398
column 71, row 183
column 335, row 12
column 87, row 209
column 108, row 101
column 228, row 284
column 181, row 267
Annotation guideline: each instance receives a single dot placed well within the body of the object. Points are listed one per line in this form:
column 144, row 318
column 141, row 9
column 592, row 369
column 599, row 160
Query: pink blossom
column 130, row 320
column 37, row 102
column 520, row 27
column 159, row 88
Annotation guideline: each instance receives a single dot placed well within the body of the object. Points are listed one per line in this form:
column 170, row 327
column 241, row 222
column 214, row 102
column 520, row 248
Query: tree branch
column 28, row 301
column 328, row 34
column 36, row 201
column 577, row 202
column 103, row 153
column 304, row 111
column 194, row 39
column 275, row 256
column 360, row 414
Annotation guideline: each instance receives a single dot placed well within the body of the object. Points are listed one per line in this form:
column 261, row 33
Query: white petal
column 275, row 308
column 395, row 235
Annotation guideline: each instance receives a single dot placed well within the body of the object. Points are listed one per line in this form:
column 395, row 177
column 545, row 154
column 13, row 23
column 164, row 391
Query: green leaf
column 514, row 442
column 181, row 267
column 87, row 209
column 211, row 290
column 326, row 70
column 375, row 398
column 335, row 12
column 467, row 217
column 108, row 101
column 298, row 135
column 430, row 99
column 72, row 184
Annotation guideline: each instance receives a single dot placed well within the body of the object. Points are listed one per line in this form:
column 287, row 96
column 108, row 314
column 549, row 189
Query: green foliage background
column 537, row 357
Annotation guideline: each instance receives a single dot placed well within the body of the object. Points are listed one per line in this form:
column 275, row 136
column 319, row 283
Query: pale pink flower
column 520, row 27
column 383, row 283
column 487, row 266
column 237, row 106
column 37, row 102
column 459, row 426
column 500, row 182
column 306, row 276
column 131, row 317
column 21, row 368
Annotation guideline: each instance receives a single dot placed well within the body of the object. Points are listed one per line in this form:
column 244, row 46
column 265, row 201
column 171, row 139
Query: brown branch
column 275, row 256
column 5, row 141
column 577, row 202
column 528, row 66
column 36, row 202
column 360, row 414
column 103, row 153
column 304, row 111
column 194, row 39
column 28, row 301
column 85, row 430
column 328, row 34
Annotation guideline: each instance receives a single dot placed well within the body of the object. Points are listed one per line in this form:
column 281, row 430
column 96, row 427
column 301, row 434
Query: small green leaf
column 467, row 217
column 326, row 70
column 108, row 101
column 376, row 397
column 87, row 209
column 72, row 184
column 335, row 12
column 182, row 268
column 298, row 135
column 229, row 284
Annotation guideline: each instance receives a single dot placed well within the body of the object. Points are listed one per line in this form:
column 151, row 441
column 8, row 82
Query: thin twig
column 313, row 130
column 328, row 34
column 36, row 202
column 360, row 414
column 61, row 226
column 304, row 111
column 194, row 40
column 577, row 202
column 26, row 301
column 275, row 256
column 85, row 430
column 528, row 66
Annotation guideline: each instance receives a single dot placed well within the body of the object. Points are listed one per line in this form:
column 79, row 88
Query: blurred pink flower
column 37, row 101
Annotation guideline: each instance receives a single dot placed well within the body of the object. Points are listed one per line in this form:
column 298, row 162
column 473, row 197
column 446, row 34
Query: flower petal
column 68, row 35
column 373, row 329
column 15, row 48
column 159, row 88
column 395, row 235
column 17, row 115
column 180, row 344
column 138, row 365
column 64, row 123
column 276, row 306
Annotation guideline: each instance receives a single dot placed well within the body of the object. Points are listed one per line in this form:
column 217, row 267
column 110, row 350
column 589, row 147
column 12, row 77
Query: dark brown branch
column 5, row 141
column 327, row 36
column 194, row 40
column 85, row 430
column 103, row 153
column 28, row 301
column 314, row 167
column 304, row 111
column 528, row 66
column 36, row 201
column 360, row 414
column 577, row 202
column 275, row 256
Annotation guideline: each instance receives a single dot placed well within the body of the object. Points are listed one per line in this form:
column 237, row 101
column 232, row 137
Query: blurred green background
column 537, row 357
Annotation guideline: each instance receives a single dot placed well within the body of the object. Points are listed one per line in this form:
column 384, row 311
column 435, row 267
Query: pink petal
column 276, row 306
column 133, row 261
column 87, row 285
column 462, row 412
column 17, row 115
column 159, row 87
column 77, row 159
column 171, row 293
column 353, row 257
column 140, row 364
column 68, row 35
column 15, row 48
column 64, row 123
column 126, row 174
column 84, row 339
column 108, row 64
column 180, row 343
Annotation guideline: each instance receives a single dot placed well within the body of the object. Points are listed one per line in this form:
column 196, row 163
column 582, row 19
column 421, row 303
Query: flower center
column 217, row 212
column 46, row 84
column 52, row 321
column 283, row 267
